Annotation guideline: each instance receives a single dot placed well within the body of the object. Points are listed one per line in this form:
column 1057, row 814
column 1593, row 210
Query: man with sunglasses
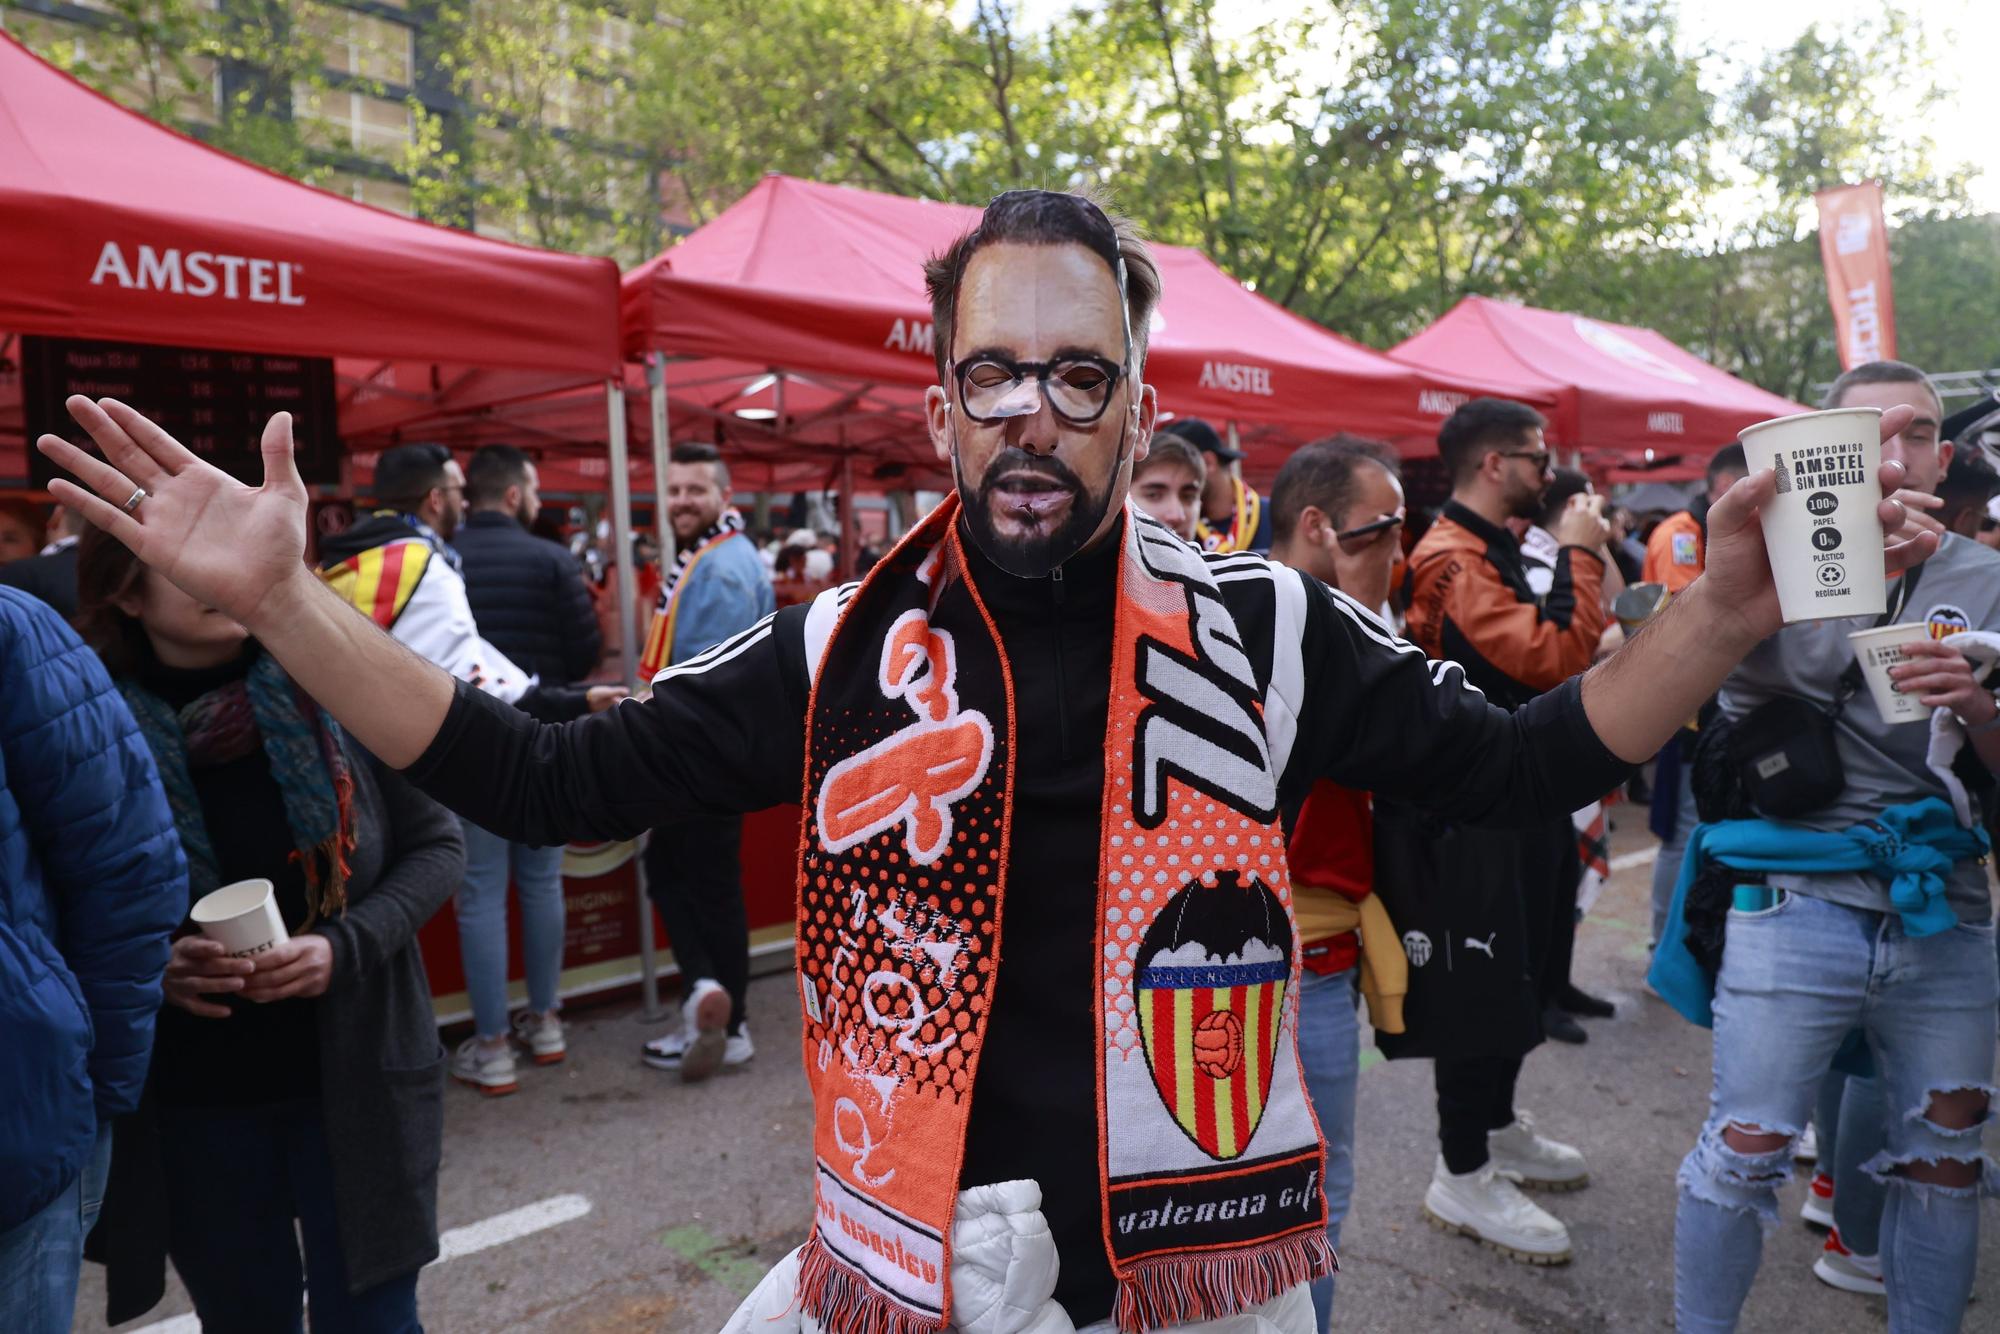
column 1486, row 902
column 1040, row 712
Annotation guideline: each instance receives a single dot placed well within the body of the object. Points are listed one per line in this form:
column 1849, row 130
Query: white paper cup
column 1879, row 650
column 1820, row 529
column 243, row 916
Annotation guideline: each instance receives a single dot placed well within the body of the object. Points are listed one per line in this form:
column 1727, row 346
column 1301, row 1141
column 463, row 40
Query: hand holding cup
column 198, row 968
column 1942, row 678
column 1582, row 523
column 1737, row 577
column 300, row 966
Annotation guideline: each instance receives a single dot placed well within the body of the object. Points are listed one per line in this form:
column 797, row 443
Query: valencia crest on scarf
column 1209, row 1156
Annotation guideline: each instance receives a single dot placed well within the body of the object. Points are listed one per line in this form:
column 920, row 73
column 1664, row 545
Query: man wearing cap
column 1045, row 954
column 1233, row 516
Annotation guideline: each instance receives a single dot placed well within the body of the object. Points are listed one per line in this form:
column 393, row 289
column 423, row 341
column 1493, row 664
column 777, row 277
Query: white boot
column 1535, row 1161
column 1489, row 1207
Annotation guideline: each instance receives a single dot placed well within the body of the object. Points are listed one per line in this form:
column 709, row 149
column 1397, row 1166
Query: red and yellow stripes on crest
column 380, row 580
column 1220, row 1115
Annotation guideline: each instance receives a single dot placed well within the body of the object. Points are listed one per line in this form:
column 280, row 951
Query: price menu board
column 213, row 401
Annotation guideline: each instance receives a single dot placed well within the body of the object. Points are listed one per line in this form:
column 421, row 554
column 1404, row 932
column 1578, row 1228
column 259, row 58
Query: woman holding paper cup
column 297, row 1074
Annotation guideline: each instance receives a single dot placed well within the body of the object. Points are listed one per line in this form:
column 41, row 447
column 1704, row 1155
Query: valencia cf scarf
column 1209, row 1156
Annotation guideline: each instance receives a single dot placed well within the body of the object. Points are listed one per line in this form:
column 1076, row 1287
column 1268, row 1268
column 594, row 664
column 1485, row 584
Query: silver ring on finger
column 138, row 494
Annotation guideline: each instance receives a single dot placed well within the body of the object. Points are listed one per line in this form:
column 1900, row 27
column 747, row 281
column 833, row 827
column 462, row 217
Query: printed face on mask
column 1040, row 416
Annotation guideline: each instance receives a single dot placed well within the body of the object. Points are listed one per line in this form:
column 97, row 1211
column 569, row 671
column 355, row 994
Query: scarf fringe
column 1182, row 1289
column 841, row 1298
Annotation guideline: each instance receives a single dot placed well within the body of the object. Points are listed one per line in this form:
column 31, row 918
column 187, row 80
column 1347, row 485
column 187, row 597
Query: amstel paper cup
column 1879, row 650
column 243, row 916
column 1820, row 529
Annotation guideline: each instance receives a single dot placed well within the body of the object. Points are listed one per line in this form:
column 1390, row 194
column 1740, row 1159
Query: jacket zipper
column 1062, row 702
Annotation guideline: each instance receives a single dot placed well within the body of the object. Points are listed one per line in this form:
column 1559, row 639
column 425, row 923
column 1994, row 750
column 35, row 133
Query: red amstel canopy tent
column 115, row 227
column 1617, row 388
column 801, row 317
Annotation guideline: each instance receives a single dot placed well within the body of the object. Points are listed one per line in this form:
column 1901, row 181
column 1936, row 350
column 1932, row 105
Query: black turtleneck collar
column 1466, row 518
column 180, row 686
column 1087, row 578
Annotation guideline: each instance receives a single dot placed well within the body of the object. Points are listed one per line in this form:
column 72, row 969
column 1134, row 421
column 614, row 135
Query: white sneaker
column 542, row 1035
column 1805, row 1149
column 1817, row 1211
column 1488, row 1207
column 1534, row 1161
column 490, row 1070
column 1838, row 1267
column 666, row 1051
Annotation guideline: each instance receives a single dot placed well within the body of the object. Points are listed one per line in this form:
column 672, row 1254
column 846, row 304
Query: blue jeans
column 1667, row 865
column 482, row 924
column 236, row 1178
column 40, row 1258
column 1795, row 979
column 1852, row 1117
column 1330, row 1052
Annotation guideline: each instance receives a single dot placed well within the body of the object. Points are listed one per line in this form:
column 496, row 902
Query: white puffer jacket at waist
column 1003, row 1280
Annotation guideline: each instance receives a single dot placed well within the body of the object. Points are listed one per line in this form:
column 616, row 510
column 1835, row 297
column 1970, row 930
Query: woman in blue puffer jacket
column 92, row 881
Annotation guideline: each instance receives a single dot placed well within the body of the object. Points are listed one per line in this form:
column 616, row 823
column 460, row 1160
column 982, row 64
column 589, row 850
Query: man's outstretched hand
column 229, row 546
column 1737, row 581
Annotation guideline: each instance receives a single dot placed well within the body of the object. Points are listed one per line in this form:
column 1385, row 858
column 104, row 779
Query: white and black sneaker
column 703, row 1045
column 1487, row 1206
column 666, row 1051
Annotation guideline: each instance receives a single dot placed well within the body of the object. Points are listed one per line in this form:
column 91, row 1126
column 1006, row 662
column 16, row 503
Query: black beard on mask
column 1043, row 549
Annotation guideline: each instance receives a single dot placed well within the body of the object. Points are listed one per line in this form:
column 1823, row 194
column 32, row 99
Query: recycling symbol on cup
column 1833, row 576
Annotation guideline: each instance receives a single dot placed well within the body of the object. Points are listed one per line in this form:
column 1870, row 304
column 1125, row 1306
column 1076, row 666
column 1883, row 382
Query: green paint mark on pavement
column 718, row 1260
column 1371, row 1057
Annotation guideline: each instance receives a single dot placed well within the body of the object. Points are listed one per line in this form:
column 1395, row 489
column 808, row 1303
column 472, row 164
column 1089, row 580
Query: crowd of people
column 1230, row 774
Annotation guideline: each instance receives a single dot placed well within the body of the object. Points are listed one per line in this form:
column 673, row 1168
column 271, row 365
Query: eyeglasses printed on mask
column 993, row 387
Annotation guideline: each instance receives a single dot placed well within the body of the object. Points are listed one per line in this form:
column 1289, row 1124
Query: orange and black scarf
column 1209, row 1156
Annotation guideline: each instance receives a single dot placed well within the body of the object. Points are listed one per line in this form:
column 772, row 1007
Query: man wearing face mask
column 1044, row 739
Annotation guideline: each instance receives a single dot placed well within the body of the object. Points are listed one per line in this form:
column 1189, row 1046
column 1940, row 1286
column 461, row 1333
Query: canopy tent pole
column 628, row 667
column 847, row 515
column 663, row 450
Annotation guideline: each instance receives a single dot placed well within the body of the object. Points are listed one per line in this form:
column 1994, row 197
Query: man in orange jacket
column 1676, row 549
column 1481, row 911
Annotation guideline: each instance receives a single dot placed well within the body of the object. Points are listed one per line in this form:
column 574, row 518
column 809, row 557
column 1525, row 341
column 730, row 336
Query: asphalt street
column 606, row 1196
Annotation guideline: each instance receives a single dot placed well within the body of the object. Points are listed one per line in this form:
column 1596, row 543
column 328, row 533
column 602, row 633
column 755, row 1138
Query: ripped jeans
column 1794, row 980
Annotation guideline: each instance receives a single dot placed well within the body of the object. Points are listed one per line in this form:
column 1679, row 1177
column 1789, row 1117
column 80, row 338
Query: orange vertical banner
column 1855, row 248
